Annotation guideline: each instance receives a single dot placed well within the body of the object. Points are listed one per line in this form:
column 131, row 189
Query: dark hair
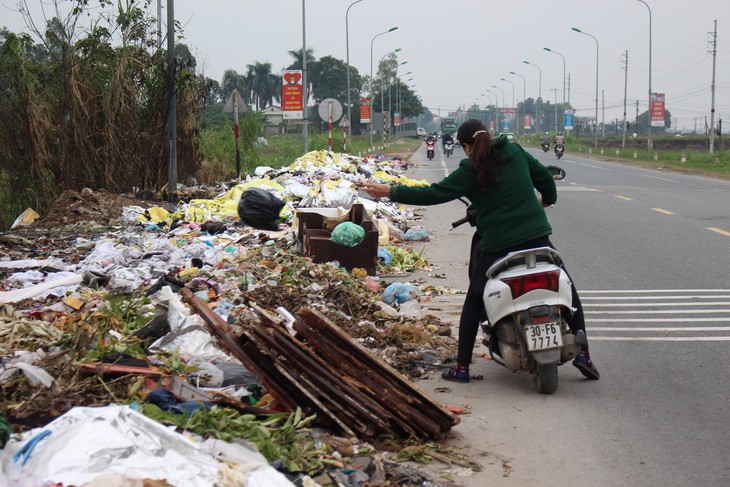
column 475, row 133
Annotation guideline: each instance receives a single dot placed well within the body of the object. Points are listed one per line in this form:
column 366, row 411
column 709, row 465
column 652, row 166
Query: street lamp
column 496, row 112
column 650, row 143
column 539, row 94
column 556, row 52
column 513, row 90
column 372, row 82
column 596, row 125
column 382, row 90
column 524, row 90
column 397, row 99
column 502, row 90
column 347, row 44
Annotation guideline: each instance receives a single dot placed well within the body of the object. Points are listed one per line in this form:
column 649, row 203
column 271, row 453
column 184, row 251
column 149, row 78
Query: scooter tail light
column 524, row 284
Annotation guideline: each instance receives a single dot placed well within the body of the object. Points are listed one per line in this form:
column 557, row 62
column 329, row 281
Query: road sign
column 568, row 119
column 330, row 107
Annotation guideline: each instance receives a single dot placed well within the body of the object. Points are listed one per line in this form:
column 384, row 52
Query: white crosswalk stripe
column 657, row 315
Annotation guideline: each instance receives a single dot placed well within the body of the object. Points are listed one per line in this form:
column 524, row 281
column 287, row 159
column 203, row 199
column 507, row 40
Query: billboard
column 527, row 122
column 364, row 110
column 568, row 119
column 657, row 110
column 292, row 94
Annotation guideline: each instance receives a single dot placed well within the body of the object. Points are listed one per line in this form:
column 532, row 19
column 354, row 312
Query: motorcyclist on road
column 559, row 139
column 545, row 140
column 500, row 179
column 447, row 137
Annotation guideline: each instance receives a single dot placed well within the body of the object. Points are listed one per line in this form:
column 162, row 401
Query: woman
column 499, row 178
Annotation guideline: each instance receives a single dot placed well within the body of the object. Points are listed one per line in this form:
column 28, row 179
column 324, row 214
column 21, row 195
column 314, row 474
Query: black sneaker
column 456, row 375
column 586, row 367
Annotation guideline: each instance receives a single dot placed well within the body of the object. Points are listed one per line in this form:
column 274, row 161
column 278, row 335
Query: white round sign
column 330, row 105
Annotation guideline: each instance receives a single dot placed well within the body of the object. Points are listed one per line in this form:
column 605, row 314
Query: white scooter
column 528, row 302
column 448, row 148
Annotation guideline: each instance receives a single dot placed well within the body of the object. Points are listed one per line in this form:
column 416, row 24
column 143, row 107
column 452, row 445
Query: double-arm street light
column 539, row 94
column 372, row 83
column 556, row 52
column 650, row 143
column 596, row 125
column 347, row 47
column 524, row 91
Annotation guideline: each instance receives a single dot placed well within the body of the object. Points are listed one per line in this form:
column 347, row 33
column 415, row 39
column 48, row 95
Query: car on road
column 421, row 132
column 509, row 135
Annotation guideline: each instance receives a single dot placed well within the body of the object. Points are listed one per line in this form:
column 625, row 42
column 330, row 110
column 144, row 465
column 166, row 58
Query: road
column 650, row 254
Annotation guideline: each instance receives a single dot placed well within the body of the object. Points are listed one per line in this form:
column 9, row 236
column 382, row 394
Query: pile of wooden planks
column 315, row 365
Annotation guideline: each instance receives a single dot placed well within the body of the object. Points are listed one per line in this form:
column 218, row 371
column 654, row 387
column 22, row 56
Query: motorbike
column 545, row 146
column 429, row 149
column 448, row 148
column 559, row 150
column 528, row 304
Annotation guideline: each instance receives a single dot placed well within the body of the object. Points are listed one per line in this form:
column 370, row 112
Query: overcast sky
column 458, row 49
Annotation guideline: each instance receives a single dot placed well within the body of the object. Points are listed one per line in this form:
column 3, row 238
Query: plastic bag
column 260, row 209
column 417, row 234
column 348, row 234
column 385, row 256
column 400, row 292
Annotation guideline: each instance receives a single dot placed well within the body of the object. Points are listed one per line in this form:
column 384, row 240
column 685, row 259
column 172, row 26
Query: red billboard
column 365, row 110
column 292, row 94
column 657, row 110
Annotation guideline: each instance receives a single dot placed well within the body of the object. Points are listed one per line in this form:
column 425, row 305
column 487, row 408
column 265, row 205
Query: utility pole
column 171, row 105
column 568, row 88
column 603, row 114
column 555, row 93
column 636, row 124
column 626, row 84
column 713, row 44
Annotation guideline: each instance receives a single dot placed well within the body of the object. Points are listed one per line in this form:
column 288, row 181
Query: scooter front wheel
column 546, row 378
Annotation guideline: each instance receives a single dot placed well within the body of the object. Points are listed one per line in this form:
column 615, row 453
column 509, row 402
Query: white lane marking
column 659, row 312
column 657, row 328
column 624, row 198
column 634, row 291
column 626, row 305
column 656, row 320
column 633, row 298
column 579, row 188
column 718, row 230
column 660, row 179
column 666, row 212
column 660, row 339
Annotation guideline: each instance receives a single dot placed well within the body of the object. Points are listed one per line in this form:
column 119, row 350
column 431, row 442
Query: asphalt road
column 650, row 254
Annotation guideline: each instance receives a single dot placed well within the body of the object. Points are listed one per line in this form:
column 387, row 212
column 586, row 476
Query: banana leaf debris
column 190, row 317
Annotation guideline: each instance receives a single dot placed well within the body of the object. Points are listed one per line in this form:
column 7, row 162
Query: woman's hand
column 377, row 190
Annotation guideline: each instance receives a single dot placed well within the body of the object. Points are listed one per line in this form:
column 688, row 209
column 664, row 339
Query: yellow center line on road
column 624, row 198
column 718, row 230
column 666, row 212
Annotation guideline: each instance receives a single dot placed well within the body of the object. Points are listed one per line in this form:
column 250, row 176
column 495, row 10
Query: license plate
column 543, row 336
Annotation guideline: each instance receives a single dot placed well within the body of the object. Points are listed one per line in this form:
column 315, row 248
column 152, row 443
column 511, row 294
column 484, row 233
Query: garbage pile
column 195, row 316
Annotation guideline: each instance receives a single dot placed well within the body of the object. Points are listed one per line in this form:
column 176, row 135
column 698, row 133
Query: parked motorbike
column 528, row 303
column 429, row 149
column 559, row 150
column 448, row 148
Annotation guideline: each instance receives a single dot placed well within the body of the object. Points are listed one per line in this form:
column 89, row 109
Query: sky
column 457, row 50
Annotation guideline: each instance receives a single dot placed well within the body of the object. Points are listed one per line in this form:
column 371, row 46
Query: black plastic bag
column 259, row 209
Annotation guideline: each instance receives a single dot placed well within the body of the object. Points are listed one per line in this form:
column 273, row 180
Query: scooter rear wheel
column 546, row 378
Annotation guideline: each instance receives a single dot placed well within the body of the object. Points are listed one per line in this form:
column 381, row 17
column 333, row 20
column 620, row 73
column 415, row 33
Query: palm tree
column 259, row 77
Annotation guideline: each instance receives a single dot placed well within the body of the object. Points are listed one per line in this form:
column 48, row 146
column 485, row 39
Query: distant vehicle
column 448, row 124
column 509, row 135
column 421, row 132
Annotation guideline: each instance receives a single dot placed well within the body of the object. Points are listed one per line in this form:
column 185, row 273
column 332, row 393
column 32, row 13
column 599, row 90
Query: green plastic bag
column 5, row 431
column 348, row 234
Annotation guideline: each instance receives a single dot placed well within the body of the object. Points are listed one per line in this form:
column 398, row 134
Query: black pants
column 473, row 311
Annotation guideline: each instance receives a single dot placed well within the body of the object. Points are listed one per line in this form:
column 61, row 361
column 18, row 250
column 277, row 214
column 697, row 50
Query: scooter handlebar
column 459, row 222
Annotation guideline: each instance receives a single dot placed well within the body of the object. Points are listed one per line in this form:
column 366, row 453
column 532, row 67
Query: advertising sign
column 396, row 119
column 292, row 95
column 364, row 110
column 527, row 122
column 657, row 110
column 568, row 119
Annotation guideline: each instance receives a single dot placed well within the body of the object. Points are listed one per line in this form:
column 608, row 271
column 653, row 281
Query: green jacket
column 507, row 214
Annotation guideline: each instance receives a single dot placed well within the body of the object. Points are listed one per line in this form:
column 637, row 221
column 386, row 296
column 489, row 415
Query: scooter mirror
column 557, row 172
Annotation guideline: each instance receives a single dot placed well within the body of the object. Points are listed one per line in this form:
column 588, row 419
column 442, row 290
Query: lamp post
column 502, row 90
column 556, row 52
column 539, row 94
column 382, row 90
column 305, row 94
column 372, row 81
column 524, row 90
column 347, row 47
column 513, row 90
column 594, row 38
column 496, row 112
column 650, row 143
column 397, row 99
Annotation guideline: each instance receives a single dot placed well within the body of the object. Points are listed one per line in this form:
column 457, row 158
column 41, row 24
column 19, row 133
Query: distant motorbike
column 559, row 150
column 448, row 148
column 429, row 149
column 545, row 146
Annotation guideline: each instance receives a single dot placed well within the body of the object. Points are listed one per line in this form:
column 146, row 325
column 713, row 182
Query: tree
column 232, row 80
column 641, row 124
column 299, row 63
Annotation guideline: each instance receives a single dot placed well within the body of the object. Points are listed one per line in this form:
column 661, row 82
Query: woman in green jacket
column 499, row 178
